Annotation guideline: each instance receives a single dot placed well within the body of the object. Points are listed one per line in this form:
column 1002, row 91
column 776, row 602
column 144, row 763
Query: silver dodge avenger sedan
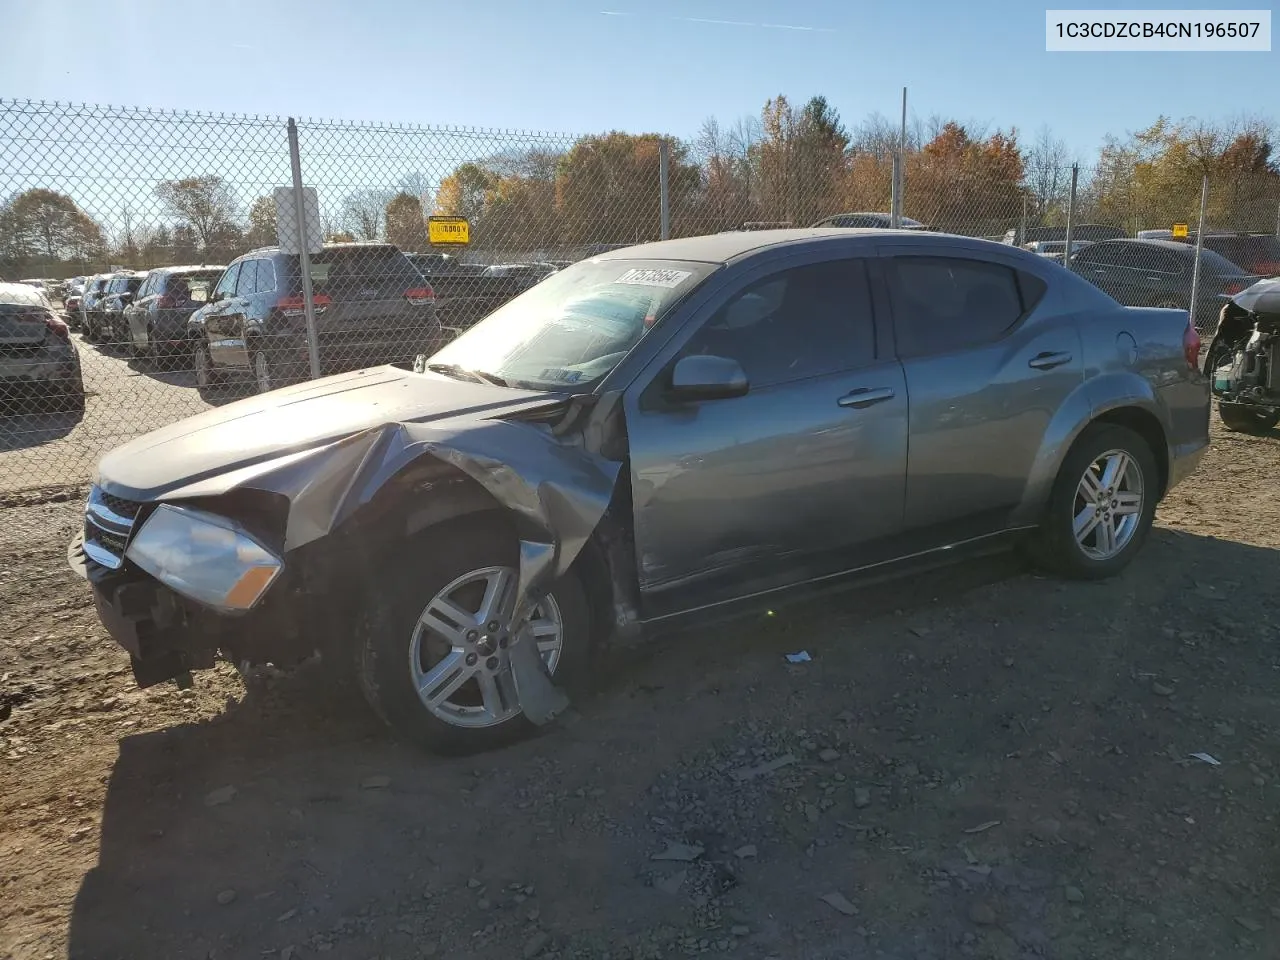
column 664, row 433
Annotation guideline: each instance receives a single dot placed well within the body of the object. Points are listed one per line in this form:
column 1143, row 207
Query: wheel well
column 1145, row 425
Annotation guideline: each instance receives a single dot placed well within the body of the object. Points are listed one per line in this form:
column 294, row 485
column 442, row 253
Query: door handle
column 1047, row 361
column 865, row 397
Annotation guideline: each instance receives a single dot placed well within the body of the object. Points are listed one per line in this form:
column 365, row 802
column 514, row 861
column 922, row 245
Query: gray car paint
column 976, row 433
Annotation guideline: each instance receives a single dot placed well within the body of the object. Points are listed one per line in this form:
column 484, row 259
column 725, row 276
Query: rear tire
column 396, row 655
column 202, row 365
column 1095, row 524
column 1246, row 418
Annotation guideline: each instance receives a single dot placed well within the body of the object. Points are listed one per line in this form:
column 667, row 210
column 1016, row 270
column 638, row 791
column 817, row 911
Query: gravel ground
column 984, row 763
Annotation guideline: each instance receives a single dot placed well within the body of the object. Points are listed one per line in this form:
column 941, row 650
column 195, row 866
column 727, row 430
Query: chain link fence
column 152, row 235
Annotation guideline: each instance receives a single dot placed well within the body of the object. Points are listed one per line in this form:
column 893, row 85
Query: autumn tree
column 607, row 187
column 802, row 160
column 207, row 205
column 464, row 193
column 47, row 225
column 406, row 226
column 960, row 183
column 1152, row 177
column 261, row 230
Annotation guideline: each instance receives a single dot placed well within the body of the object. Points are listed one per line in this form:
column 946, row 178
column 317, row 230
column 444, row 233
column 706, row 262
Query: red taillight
column 1234, row 287
column 419, row 295
column 294, row 307
column 57, row 327
column 1191, row 346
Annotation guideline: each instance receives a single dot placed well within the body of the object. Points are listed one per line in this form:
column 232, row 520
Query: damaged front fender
column 555, row 491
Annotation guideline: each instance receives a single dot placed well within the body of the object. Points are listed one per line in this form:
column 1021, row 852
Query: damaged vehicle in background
column 1243, row 359
column 660, row 436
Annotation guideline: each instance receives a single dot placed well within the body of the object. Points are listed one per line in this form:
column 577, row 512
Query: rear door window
column 943, row 304
column 266, row 282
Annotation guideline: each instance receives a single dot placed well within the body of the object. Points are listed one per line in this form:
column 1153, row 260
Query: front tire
column 1246, row 418
column 432, row 657
column 1102, row 505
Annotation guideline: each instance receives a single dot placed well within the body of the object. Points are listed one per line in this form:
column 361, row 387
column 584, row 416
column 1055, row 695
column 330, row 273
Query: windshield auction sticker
column 655, row 278
column 1142, row 31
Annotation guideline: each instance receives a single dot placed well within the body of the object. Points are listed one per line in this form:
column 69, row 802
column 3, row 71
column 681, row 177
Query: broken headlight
column 208, row 558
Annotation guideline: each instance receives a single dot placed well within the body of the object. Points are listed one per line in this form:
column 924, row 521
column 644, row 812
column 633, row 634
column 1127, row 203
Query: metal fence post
column 1195, row 270
column 1071, row 214
column 304, row 255
column 1278, row 219
column 895, row 190
column 664, row 187
column 1022, row 229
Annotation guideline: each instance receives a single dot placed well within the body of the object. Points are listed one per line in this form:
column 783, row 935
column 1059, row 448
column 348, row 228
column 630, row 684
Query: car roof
column 204, row 268
column 1173, row 245
column 356, row 245
column 22, row 293
column 727, row 247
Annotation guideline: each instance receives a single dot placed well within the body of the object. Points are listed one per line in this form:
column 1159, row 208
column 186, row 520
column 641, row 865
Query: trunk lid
column 22, row 325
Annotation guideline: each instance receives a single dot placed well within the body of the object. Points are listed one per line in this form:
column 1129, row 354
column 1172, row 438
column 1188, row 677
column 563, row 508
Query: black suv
column 372, row 307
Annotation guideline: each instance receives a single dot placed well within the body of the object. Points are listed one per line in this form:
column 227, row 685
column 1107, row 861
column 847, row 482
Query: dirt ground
column 985, row 763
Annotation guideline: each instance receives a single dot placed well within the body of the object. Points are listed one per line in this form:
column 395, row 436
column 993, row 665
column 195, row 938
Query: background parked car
column 372, row 307
column 879, row 220
column 120, row 293
column 38, row 360
column 1254, row 253
column 1092, row 232
column 1157, row 273
column 1054, row 249
column 91, row 305
column 156, row 321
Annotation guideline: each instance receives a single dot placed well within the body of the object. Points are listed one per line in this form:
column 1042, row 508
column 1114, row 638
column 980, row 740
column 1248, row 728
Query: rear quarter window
column 943, row 304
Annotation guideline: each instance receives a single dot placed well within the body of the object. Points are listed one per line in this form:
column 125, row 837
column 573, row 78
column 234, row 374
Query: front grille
column 108, row 521
column 119, row 505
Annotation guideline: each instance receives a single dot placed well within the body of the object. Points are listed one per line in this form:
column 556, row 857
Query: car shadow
column 331, row 825
column 24, row 423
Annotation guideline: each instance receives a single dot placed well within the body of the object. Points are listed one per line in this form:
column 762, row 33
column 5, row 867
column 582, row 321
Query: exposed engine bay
column 1243, row 360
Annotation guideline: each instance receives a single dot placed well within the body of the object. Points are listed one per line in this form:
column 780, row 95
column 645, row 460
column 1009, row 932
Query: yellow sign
column 1179, row 229
column 455, row 231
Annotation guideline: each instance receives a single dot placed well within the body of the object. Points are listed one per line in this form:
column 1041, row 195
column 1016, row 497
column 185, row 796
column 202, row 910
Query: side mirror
column 707, row 378
column 214, row 296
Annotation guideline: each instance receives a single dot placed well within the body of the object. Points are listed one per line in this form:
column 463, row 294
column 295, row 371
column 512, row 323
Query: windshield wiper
column 459, row 373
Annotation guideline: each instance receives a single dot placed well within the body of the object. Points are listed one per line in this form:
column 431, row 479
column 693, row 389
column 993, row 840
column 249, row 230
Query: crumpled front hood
column 283, row 422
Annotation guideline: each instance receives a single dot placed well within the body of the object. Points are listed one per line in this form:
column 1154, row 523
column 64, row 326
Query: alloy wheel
column 200, row 363
column 1108, row 505
column 262, row 372
column 459, row 656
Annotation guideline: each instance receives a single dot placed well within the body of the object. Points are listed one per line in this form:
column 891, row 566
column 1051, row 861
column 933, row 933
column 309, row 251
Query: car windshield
column 572, row 328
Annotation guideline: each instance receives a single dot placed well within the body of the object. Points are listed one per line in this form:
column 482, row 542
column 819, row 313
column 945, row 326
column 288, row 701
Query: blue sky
column 564, row 65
